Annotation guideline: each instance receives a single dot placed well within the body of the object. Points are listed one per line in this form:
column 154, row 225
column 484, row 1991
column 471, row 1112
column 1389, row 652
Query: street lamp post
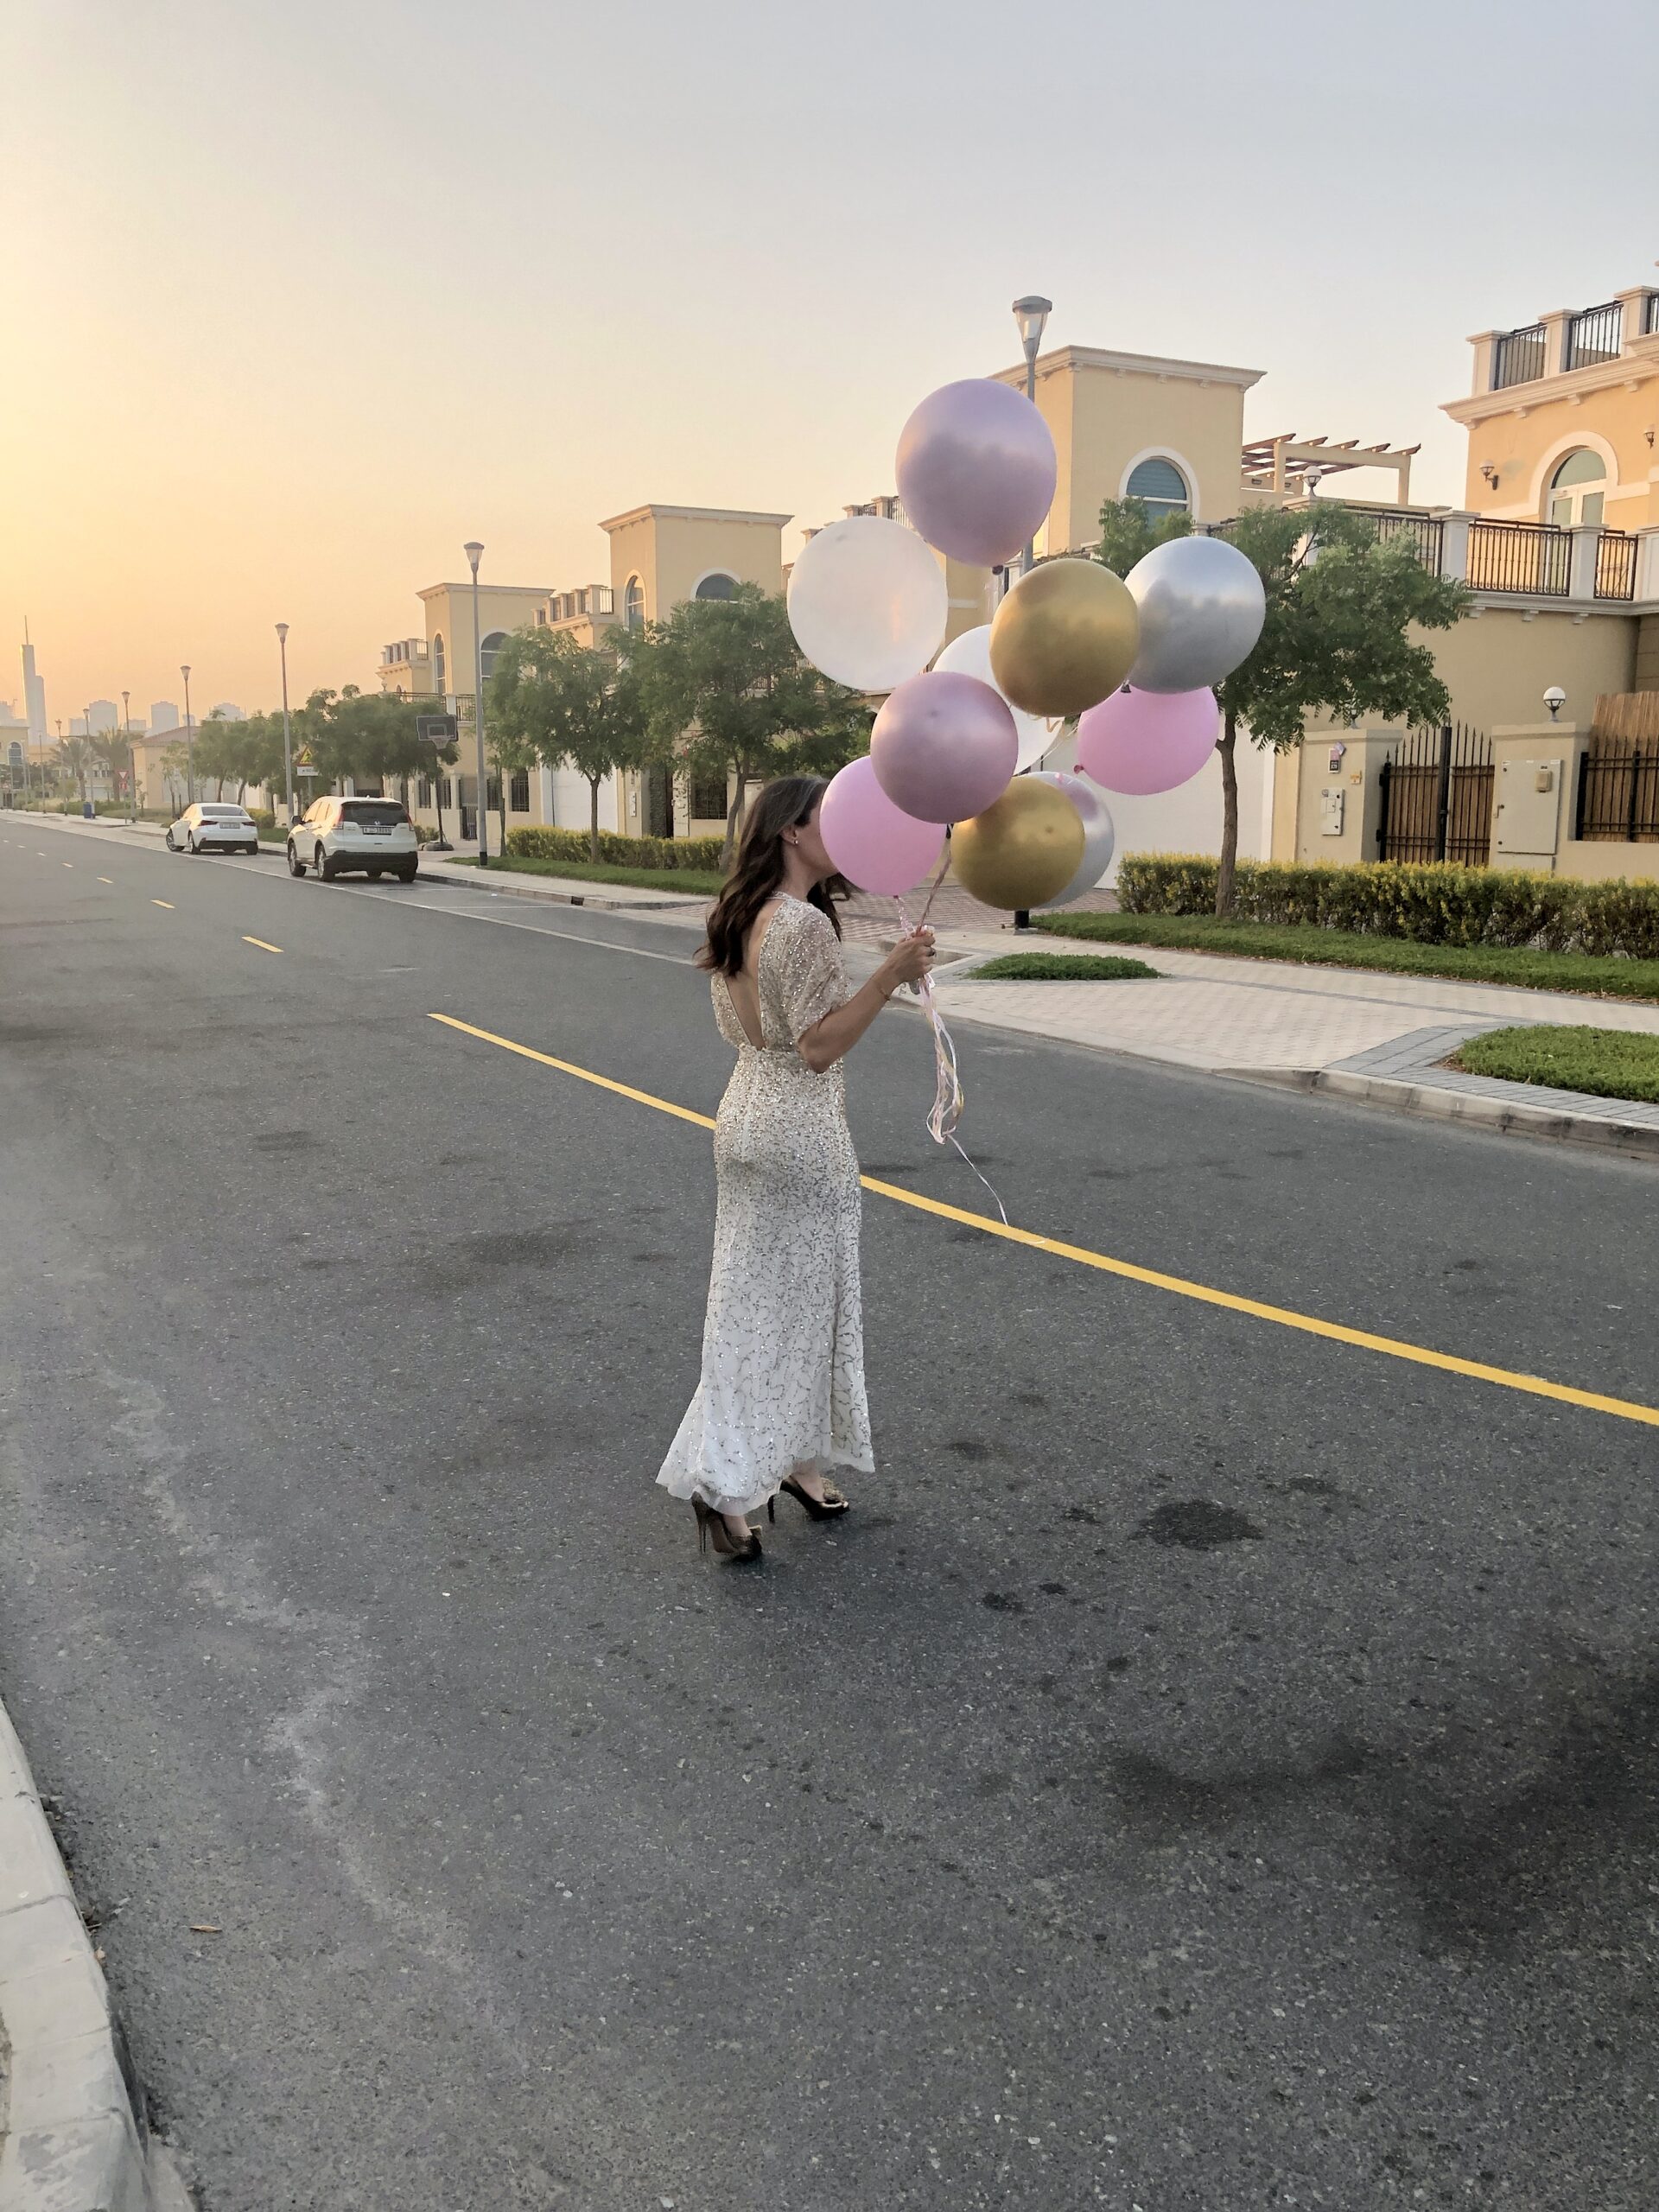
column 189, row 742
column 132, row 765
column 288, row 742
column 474, row 552
column 1031, row 316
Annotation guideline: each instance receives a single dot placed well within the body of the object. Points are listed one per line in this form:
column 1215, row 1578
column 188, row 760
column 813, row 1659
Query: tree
column 727, row 693
column 114, row 755
column 1341, row 602
column 176, row 767
column 79, row 758
column 567, row 705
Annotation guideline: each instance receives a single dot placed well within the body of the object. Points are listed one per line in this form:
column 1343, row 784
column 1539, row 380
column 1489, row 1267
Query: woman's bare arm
column 834, row 1036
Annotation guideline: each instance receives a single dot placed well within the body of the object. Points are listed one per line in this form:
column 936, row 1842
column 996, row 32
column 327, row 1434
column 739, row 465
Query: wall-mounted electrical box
column 1528, row 814
column 1331, row 803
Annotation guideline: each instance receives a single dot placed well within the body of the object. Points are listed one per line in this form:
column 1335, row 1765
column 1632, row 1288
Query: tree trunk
column 734, row 819
column 1225, row 875
column 593, row 818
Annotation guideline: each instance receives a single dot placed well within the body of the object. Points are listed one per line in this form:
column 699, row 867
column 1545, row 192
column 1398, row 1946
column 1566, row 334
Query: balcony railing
column 1615, row 565
column 1424, row 533
column 1524, row 556
column 1518, row 357
column 1595, row 335
column 571, row 605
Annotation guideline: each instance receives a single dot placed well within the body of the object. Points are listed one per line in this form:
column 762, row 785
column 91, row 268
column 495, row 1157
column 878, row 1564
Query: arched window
column 1578, row 489
column 438, row 685
column 633, row 605
column 488, row 651
column 719, row 586
column 1159, row 485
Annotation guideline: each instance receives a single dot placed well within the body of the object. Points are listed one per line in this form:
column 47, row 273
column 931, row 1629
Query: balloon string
column 948, row 1100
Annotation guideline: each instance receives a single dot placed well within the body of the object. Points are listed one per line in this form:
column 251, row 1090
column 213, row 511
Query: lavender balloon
column 871, row 843
column 943, row 747
column 976, row 470
column 1139, row 742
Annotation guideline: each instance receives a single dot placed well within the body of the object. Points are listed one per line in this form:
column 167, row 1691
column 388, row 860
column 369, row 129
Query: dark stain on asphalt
column 285, row 1140
column 999, row 1602
column 1158, row 1797
column 970, row 1447
column 1198, row 1524
column 1483, row 1873
column 473, row 1260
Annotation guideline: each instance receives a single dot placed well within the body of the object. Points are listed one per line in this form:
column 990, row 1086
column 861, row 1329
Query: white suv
column 213, row 829
column 374, row 836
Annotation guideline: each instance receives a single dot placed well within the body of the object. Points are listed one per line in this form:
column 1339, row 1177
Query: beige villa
column 1557, row 537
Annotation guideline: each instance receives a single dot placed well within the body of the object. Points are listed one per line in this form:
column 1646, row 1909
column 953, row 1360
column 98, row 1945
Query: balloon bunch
column 1133, row 660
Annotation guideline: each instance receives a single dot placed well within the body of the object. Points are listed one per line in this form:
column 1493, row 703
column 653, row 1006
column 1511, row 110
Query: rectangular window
column 709, row 799
column 518, row 795
column 493, row 790
column 446, row 791
column 422, row 790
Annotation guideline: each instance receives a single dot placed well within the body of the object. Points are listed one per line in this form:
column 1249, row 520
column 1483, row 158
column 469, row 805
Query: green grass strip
column 1607, row 1063
column 1058, row 968
column 690, row 882
column 1612, row 977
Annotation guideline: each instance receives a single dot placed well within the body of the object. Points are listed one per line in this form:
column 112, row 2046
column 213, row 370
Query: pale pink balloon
column 1139, row 742
column 872, row 842
column 943, row 747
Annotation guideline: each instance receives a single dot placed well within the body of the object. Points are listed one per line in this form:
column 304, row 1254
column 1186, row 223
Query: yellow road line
column 168, row 902
column 66, row 863
column 1283, row 1317
column 262, row 946
column 110, row 880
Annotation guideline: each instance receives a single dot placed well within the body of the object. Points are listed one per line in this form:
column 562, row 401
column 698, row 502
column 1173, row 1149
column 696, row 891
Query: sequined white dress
column 783, row 1346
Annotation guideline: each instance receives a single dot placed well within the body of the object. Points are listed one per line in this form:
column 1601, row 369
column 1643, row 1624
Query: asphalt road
column 1215, row 1767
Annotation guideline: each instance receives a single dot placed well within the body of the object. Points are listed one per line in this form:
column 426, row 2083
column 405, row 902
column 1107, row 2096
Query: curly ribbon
column 948, row 1101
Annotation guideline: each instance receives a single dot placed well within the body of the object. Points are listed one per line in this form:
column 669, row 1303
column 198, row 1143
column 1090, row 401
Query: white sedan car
column 213, row 829
column 373, row 836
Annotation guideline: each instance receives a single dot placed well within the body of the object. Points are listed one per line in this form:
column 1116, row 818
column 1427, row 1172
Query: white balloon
column 970, row 655
column 868, row 602
column 1098, row 834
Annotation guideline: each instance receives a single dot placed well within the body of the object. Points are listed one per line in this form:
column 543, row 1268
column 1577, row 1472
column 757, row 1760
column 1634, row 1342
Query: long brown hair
column 786, row 803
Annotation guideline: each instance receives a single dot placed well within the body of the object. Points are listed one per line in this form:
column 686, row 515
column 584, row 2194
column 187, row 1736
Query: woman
column 782, row 1394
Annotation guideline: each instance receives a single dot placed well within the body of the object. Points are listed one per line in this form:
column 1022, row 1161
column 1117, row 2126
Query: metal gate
column 1436, row 798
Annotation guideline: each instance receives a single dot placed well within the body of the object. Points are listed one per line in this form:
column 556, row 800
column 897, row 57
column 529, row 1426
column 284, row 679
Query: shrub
column 699, row 853
column 263, row 822
column 1428, row 902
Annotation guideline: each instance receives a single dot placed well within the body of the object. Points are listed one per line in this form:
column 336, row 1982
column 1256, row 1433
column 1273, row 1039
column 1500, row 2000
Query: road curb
column 76, row 2135
column 1430, row 1103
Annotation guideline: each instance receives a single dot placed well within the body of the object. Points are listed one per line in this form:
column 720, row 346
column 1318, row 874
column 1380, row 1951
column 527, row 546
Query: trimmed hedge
column 1429, row 903
column 700, row 853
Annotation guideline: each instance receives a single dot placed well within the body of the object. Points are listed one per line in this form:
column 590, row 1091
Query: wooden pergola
column 1282, row 464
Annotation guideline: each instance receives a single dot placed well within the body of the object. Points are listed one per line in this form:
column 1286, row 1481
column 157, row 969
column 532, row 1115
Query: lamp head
column 281, row 633
column 473, row 552
column 1554, row 699
column 1031, row 315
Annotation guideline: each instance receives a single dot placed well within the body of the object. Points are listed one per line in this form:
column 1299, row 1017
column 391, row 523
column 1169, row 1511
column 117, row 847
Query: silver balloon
column 1202, row 607
column 1098, row 834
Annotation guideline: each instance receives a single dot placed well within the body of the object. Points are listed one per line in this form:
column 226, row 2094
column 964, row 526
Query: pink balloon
column 943, row 747
column 873, row 844
column 1139, row 742
column 976, row 470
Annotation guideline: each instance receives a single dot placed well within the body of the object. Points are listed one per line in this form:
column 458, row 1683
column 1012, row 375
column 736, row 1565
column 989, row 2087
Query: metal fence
column 1518, row 357
column 1527, row 556
column 1426, row 534
column 1436, row 798
column 1615, row 565
column 1597, row 335
column 1618, row 794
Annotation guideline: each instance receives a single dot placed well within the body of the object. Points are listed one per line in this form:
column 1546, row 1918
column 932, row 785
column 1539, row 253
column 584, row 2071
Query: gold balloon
column 1026, row 847
column 1064, row 638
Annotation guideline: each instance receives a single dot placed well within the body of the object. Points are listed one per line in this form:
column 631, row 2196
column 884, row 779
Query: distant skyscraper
column 105, row 715
column 163, row 714
column 33, row 692
column 228, row 711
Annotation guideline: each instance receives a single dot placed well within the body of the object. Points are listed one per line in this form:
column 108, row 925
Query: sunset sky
column 300, row 297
